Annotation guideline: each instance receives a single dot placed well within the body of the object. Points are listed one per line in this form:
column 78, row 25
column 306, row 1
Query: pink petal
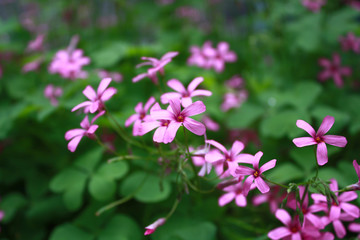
column 336, row 59
column 169, row 55
column 296, row 236
column 92, row 129
column 137, row 128
column 317, row 197
column 72, row 145
column 324, row 62
column 108, row 93
column 139, row 108
column 256, row 160
column 194, row 126
column 139, row 77
column 85, row 122
column 162, row 115
column 94, row 106
column 217, row 145
column 226, row 198
column 315, row 220
column 261, row 185
column 175, row 106
column 339, row 229
column 240, row 200
column 89, row 92
column 201, row 92
column 338, row 80
column 186, row 101
column 357, row 168
column 214, row 156
column 236, row 148
column 269, row 165
column 354, row 227
column 171, row 95
column 334, row 212
column 243, row 170
column 149, row 126
column 171, row 131
column 73, row 133
column 304, row 141
column 283, row 216
column 81, row 105
column 305, row 126
column 279, row 233
column 244, row 158
column 347, row 196
column 322, row 76
column 176, row 85
column 338, row 141
column 103, row 85
column 321, row 154
column 350, row 209
column 247, row 185
column 148, row 104
column 159, row 134
column 194, row 83
column 325, row 125
column 194, row 109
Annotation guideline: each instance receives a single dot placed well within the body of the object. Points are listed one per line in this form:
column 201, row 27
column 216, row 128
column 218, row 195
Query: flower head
column 97, row 98
column 332, row 69
column 319, row 138
column 313, row 5
column 234, row 191
column 36, row 44
column 350, row 42
column 152, row 227
column 116, row 76
column 52, row 93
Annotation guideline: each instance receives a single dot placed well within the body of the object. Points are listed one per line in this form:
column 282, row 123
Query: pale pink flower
column 228, row 160
column 88, row 129
column 32, row 66
column 332, row 69
column 140, row 116
column 234, row 100
column 184, row 94
column 152, row 227
column 319, row 138
column 198, row 158
column 178, row 117
column 313, row 5
column 189, row 13
column 292, row 229
column 97, row 98
column 157, row 66
column 36, row 44
column 235, row 82
column 274, row 197
column 255, row 174
column 350, row 42
column 69, row 64
column 117, row 77
column 234, row 191
column 52, row 93
column 223, row 55
column 210, row 124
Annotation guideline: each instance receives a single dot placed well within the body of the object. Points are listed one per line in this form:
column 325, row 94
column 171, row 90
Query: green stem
column 275, row 183
column 175, row 205
column 105, row 146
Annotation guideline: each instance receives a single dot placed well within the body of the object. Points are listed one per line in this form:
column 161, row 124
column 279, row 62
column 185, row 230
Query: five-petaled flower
column 319, row 138
column 185, row 94
column 332, row 69
column 97, row 98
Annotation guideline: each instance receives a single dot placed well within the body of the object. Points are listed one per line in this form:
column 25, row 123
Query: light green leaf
column 101, row 188
column 121, row 227
column 65, row 179
column 243, row 117
column 70, row 232
column 303, row 95
column 74, row 194
column 114, row 170
column 341, row 118
column 285, row 173
column 111, row 54
column 89, row 160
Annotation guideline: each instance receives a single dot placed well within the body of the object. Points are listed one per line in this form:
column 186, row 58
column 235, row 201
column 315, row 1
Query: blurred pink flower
column 354, row 3
column 313, row 5
column 157, row 66
column 32, row 66
column 255, row 174
column 189, row 13
column 233, row 100
column 36, row 44
column 235, row 82
column 274, row 197
column 98, row 98
column 350, row 42
column 88, row 129
column 52, row 93
column 210, row 124
column 356, row 186
column 198, row 158
column 333, row 70
column 140, row 116
column 117, row 77
column 152, row 227
column 184, row 94
column 233, row 192
column 1, row 72
column 69, row 64
column 319, row 138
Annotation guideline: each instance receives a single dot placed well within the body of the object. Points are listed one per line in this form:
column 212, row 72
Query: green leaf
column 341, row 118
column 10, row 204
column 121, row 227
column 114, row 170
column 305, row 157
column 66, row 179
column 109, row 55
column 101, row 188
column 339, row 23
column 89, row 160
column 243, row 117
column 303, row 95
column 74, row 194
column 70, row 232
column 150, row 189
column 285, row 173
column 327, row 173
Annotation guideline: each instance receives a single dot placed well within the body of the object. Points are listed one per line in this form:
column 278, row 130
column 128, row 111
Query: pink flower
column 75, row 135
column 32, row 66
column 223, row 54
column 152, row 227
column 350, row 42
column 255, row 174
column 117, row 77
column 235, row 82
column 1, row 72
column 157, row 66
column 52, row 93
column 140, row 116
column 210, row 124
column 274, row 197
column 36, row 44
column 356, row 186
column 228, row 160
column 198, row 158
column 178, row 118
column 69, row 64
column 333, row 70
column 313, row 5
column 319, row 138
column 354, row 3
column 98, row 98
column 292, row 228
column 182, row 93
column 355, row 227
column 233, row 192
column 233, row 100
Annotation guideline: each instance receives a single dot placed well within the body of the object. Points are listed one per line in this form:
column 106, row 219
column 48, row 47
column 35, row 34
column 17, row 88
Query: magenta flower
column 333, row 70
column 313, row 5
column 350, row 42
column 88, row 129
column 355, row 227
column 319, row 138
column 140, row 116
column 152, row 227
column 236, row 82
column 233, row 100
column 157, row 66
column 223, row 54
column 292, row 229
column 97, row 98
column 255, row 174
column 356, row 186
column 233, row 192
column 182, row 93
column 52, row 93
column 228, row 160
column 179, row 118
column 198, row 158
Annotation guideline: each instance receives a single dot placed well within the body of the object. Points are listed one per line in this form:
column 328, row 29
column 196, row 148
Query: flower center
column 294, row 229
column 142, row 116
column 164, row 123
column 256, row 174
column 318, row 139
column 180, row 118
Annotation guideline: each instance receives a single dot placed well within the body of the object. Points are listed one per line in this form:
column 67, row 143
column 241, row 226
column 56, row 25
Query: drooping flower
column 234, row 191
column 184, row 94
column 140, row 116
column 88, row 129
column 152, row 227
column 52, row 93
column 332, row 69
column 255, row 174
column 313, row 5
column 157, row 66
column 178, row 117
column 97, row 98
column 319, row 138
column 350, row 42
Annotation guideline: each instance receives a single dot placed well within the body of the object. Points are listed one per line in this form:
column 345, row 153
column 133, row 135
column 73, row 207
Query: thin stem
column 175, row 205
column 105, row 146
column 275, row 183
